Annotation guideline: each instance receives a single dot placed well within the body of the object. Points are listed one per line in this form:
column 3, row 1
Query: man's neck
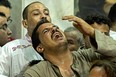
column 113, row 28
column 61, row 59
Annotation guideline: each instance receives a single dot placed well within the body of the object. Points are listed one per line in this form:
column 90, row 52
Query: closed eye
column 46, row 11
column 36, row 13
column 70, row 41
column 4, row 27
column 46, row 30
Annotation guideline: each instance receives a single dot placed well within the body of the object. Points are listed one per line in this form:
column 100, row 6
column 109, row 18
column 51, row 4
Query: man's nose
column 44, row 18
column 9, row 32
column 54, row 29
column 43, row 15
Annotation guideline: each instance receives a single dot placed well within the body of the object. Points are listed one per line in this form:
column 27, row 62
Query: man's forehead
column 37, row 5
column 3, row 20
column 45, row 25
column 4, row 11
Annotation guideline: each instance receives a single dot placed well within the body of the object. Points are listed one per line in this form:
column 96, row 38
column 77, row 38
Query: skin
column 5, row 32
column 36, row 11
column 97, row 72
column 81, row 25
column 101, row 27
column 55, row 40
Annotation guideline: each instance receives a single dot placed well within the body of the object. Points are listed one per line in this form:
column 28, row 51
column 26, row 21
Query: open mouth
column 56, row 35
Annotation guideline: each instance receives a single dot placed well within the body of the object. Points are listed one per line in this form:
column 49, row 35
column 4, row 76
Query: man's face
column 101, row 27
column 97, row 72
column 72, row 38
column 4, row 30
column 36, row 12
column 51, row 36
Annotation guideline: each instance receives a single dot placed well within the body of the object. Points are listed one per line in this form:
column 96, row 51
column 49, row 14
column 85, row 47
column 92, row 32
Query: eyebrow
column 46, row 9
column 48, row 27
column 2, row 14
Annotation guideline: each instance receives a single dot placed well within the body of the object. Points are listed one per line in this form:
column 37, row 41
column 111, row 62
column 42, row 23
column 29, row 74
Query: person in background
column 103, row 68
column 99, row 22
column 5, row 32
column 112, row 16
column 20, row 52
column 74, row 38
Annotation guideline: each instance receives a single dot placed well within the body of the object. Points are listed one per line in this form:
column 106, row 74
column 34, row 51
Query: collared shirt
column 81, row 63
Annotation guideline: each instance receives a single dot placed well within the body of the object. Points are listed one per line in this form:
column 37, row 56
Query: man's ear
column 24, row 22
column 40, row 49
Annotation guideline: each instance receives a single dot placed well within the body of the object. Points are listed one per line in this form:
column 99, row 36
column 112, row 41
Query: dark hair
column 112, row 13
column 108, row 66
column 5, row 3
column 25, row 11
column 100, row 19
column 35, row 37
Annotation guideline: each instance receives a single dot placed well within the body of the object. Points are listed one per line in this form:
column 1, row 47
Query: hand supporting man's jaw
column 81, row 25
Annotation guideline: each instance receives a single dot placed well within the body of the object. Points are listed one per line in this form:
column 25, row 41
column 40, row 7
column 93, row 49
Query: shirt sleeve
column 105, row 44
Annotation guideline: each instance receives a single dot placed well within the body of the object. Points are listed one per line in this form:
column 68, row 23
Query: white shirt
column 113, row 34
column 0, row 60
column 16, row 54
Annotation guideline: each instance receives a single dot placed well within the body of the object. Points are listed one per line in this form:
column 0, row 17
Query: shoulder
column 13, row 45
column 15, row 42
column 40, row 65
column 84, row 53
column 37, row 69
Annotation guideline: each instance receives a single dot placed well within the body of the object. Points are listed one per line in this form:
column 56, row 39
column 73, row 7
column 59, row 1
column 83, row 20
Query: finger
column 68, row 17
column 72, row 18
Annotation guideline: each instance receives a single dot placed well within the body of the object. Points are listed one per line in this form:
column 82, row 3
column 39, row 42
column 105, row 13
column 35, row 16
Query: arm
column 104, row 44
column 81, row 25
